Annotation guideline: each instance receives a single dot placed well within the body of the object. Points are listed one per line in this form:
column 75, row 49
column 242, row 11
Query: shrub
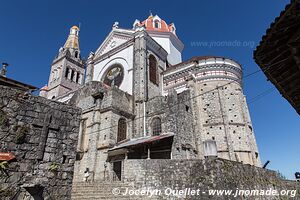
column 3, row 165
column 21, row 133
column 53, row 167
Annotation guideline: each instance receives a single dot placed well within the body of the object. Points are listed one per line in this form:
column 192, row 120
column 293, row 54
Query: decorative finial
column 116, row 25
column 136, row 24
column 4, row 69
column 150, row 13
column 91, row 55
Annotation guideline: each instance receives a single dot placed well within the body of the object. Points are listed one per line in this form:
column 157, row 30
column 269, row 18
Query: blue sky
column 32, row 32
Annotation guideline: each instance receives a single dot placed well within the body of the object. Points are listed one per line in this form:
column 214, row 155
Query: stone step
column 107, row 198
column 100, row 190
column 101, row 185
column 103, row 196
column 104, row 187
column 99, row 182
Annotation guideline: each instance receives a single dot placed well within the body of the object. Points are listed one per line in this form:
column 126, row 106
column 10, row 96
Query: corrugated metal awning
column 142, row 140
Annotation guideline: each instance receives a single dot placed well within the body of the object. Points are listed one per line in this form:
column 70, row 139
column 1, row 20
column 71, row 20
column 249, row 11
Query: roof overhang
column 174, row 39
column 16, row 84
column 278, row 53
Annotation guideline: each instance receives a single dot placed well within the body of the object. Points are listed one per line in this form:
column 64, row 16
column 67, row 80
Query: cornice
column 157, row 48
column 119, row 48
column 200, row 69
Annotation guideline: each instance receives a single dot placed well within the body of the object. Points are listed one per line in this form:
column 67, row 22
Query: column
column 90, row 68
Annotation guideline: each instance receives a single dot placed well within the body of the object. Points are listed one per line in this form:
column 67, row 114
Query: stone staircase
column 101, row 190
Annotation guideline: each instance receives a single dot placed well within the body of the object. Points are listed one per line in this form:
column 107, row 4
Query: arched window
column 52, row 75
column 55, row 74
column 72, row 75
column 122, row 129
column 59, row 72
column 67, row 72
column 153, row 69
column 114, row 75
column 156, row 126
column 156, row 23
column 76, row 54
column 77, row 77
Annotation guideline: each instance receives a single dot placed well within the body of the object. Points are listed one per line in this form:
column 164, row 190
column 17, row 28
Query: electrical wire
column 130, row 120
column 261, row 95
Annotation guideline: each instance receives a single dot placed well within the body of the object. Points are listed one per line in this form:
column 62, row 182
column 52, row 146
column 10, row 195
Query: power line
column 261, row 95
column 145, row 116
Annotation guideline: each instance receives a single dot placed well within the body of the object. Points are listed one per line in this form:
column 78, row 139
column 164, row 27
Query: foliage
column 3, row 165
column 53, row 167
column 21, row 134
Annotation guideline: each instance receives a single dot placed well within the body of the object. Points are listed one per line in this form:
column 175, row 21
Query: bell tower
column 67, row 69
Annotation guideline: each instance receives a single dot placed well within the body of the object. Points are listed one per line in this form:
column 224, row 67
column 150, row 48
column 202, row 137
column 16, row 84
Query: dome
column 45, row 88
column 155, row 23
column 75, row 27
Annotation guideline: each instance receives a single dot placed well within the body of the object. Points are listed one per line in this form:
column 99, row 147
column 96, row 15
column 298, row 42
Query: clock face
column 114, row 75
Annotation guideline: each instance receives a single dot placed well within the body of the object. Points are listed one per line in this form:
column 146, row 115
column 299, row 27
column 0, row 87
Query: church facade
column 140, row 101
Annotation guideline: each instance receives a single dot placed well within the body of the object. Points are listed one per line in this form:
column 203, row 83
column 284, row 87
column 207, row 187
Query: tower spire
column 67, row 69
column 73, row 39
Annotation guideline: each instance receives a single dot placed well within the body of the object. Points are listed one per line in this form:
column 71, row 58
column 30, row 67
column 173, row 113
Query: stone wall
column 143, row 88
column 42, row 134
column 204, row 175
column 176, row 114
column 102, row 107
column 224, row 117
column 220, row 109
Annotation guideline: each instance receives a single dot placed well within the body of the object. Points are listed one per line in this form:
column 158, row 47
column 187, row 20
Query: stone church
column 139, row 100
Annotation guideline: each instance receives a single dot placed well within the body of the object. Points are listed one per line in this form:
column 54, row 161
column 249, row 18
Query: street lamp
column 297, row 175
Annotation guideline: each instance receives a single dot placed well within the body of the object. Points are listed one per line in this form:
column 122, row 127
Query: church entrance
column 117, row 169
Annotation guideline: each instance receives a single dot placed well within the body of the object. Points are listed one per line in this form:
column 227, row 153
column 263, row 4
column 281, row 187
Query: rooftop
column 278, row 53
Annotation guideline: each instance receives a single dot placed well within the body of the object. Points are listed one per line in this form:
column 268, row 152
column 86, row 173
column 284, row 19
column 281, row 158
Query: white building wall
column 125, row 58
column 174, row 56
column 164, row 42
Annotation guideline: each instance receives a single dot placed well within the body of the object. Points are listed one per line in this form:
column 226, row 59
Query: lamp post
column 297, row 175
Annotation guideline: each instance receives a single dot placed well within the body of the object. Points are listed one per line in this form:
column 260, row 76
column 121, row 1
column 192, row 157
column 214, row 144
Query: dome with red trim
column 155, row 23
column 45, row 88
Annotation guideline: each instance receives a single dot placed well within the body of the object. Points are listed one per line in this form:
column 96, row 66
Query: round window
column 114, row 75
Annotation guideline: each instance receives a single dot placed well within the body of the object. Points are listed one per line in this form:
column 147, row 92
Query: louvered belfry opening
column 122, row 129
column 153, row 69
